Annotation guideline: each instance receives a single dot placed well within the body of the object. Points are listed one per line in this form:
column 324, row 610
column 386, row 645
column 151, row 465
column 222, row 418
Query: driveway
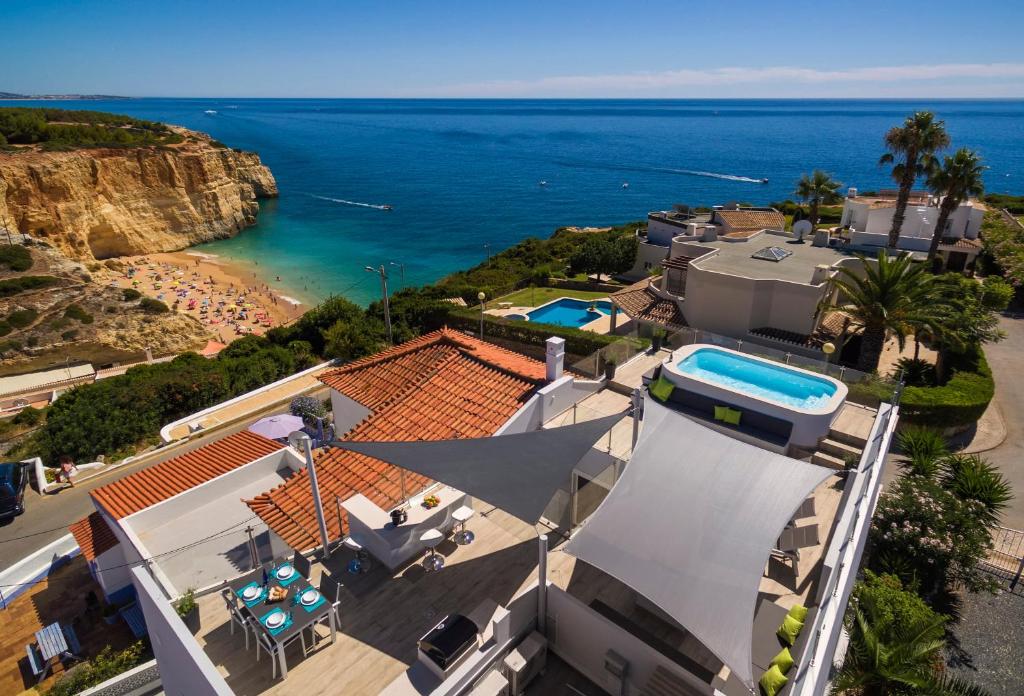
column 1006, row 359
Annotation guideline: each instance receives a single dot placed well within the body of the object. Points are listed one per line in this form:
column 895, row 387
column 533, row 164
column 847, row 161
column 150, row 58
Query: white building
column 869, row 219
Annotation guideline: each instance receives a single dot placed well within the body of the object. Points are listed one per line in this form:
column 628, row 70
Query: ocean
column 463, row 177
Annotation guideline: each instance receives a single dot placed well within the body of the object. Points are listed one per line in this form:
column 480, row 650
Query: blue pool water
column 567, row 312
column 763, row 380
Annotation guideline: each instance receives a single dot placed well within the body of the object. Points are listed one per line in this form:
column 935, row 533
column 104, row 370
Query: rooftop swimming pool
column 759, row 378
column 569, row 312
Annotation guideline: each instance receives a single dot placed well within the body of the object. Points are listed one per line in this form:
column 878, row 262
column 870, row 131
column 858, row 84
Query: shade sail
column 518, row 473
column 690, row 525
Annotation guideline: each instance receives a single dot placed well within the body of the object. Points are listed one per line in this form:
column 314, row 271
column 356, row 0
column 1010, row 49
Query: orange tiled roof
column 167, row 479
column 962, row 243
column 751, row 220
column 93, row 535
column 639, row 302
column 468, row 389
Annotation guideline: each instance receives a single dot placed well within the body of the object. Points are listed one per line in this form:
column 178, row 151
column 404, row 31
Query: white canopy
column 690, row 525
column 518, row 473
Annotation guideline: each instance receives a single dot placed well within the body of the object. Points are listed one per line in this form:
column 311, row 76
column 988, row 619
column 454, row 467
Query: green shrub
column 892, row 605
column 152, row 306
column 61, row 129
column 957, row 403
column 15, row 286
column 21, row 318
column 28, row 416
column 76, row 312
column 130, row 294
column 1014, row 204
column 969, row 477
column 105, row 665
column 16, row 258
column 925, row 447
column 69, row 335
column 5, row 327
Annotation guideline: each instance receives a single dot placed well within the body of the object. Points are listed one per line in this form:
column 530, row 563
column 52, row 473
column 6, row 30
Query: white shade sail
column 518, row 473
column 690, row 525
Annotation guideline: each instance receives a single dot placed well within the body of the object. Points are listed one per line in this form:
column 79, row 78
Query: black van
column 13, row 480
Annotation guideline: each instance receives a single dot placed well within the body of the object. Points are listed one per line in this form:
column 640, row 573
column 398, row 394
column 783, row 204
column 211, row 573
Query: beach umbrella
column 275, row 427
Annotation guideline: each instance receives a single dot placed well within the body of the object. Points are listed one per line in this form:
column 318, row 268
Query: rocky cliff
column 101, row 203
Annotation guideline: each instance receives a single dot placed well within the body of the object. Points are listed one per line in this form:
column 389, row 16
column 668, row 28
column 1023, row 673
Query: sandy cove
column 228, row 299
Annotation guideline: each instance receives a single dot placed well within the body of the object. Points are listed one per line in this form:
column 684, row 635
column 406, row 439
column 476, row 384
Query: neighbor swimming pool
column 758, row 378
column 566, row 311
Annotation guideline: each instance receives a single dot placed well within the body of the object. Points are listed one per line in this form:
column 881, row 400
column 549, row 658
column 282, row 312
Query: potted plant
column 610, row 361
column 188, row 610
column 658, row 339
column 109, row 614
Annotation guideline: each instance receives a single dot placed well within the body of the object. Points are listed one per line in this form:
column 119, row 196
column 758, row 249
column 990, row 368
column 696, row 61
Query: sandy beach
column 230, row 300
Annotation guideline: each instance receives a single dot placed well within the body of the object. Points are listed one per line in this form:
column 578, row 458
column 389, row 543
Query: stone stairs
column 846, row 439
column 665, row 683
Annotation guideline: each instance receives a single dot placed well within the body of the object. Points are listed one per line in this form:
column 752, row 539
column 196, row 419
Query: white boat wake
column 342, row 201
column 712, row 175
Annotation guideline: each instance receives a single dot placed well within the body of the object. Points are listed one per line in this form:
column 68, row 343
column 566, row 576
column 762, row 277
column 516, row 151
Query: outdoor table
column 52, row 643
column 301, row 619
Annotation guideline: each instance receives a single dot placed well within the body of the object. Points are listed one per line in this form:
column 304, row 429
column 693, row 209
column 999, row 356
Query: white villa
column 548, row 532
column 867, row 219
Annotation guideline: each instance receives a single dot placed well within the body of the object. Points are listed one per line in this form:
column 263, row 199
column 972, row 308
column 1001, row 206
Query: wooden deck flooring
column 61, row 597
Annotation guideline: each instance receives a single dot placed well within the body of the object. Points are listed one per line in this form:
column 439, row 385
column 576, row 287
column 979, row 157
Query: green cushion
column 784, row 661
column 732, row 416
column 799, row 612
column 720, row 412
column 661, row 389
column 789, row 630
column 772, row 681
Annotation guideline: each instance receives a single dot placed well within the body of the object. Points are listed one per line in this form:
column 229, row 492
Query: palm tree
column 889, row 294
column 897, row 659
column 817, row 188
column 959, row 178
column 911, row 148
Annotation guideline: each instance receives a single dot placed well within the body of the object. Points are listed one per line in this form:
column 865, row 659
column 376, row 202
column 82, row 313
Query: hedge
column 956, row 404
column 577, row 341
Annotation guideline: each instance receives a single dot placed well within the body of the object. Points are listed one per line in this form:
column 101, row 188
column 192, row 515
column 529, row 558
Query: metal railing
column 622, row 351
column 1006, row 558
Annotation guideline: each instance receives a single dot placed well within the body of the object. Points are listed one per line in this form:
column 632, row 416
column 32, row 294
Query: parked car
column 13, row 481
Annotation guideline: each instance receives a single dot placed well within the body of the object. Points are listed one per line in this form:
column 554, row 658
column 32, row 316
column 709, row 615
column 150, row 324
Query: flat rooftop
column 735, row 258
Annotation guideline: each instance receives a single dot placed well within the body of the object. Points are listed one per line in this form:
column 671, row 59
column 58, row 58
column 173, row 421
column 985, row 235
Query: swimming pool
column 806, row 399
column 566, row 311
column 758, row 378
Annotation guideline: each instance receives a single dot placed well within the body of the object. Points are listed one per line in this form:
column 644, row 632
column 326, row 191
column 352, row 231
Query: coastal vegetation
column 15, row 258
column 911, row 150
column 62, row 129
column 17, row 285
column 816, row 189
column 1004, row 247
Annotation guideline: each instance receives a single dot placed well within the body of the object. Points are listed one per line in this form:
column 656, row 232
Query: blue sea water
column 757, row 378
column 568, row 312
column 462, row 175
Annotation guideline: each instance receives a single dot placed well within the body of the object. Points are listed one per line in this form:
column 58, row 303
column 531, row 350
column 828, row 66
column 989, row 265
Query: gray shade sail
column 518, row 473
column 690, row 525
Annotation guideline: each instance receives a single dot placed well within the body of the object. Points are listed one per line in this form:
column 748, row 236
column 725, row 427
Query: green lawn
column 532, row 297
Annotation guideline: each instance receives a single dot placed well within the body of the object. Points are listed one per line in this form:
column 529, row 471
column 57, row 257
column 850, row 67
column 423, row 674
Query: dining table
column 300, row 617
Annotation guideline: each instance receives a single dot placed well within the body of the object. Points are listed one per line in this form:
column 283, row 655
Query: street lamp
column 401, row 268
column 481, row 296
column 384, row 292
column 828, row 349
column 302, row 441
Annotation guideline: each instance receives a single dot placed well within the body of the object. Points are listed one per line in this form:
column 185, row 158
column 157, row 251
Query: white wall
column 582, row 637
column 185, row 670
column 110, row 570
column 348, row 413
column 647, row 257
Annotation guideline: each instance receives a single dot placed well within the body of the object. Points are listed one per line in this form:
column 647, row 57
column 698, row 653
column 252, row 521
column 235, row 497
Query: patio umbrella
column 276, row 427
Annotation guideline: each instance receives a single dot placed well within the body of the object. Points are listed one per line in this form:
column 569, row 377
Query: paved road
column 46, row 518
column 1006, row 359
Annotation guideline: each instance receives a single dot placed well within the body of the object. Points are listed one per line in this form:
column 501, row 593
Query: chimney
column 555, row 358
column 822, row 272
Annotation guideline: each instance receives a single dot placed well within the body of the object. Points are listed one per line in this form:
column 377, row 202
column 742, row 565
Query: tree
column 911, row 149
column 964, row 316
column 348, row 340
column 896, row 645
column 604, row 254
column 891, row 294
column 817, row 188
column 959, row 178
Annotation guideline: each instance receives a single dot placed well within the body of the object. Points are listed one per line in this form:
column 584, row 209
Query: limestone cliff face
column 101, row 203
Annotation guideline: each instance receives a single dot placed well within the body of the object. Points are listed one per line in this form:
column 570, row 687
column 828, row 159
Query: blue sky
column 393, row 48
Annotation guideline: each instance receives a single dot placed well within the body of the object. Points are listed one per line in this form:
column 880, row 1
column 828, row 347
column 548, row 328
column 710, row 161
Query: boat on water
column 542, row 183
column 625, row 184
column 210, row 111
column 385, row 207
column 764, row 181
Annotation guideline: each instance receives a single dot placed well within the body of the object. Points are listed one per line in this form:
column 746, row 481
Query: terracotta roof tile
column 93, row 535
column 639, row 302
column 752, row 220
column 962, row 243
column 167, row 479
column 466, row 388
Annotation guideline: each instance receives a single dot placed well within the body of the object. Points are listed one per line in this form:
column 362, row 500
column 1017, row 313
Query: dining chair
column 302, row 565
column 237, row 617
column 331, row 590
column 273, row 647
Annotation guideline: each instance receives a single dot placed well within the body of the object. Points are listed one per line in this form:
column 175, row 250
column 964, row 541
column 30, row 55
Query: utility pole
column 481, row 296
column 384, row 292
